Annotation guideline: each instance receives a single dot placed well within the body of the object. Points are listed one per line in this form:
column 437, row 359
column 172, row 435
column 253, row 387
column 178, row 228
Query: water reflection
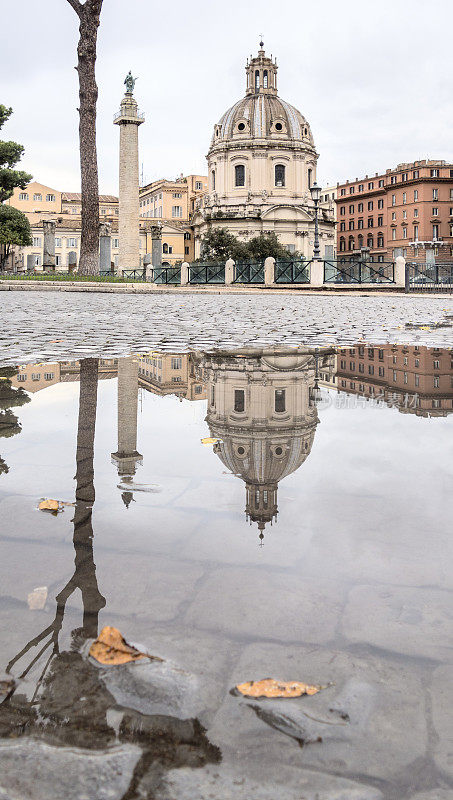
column 10, row 397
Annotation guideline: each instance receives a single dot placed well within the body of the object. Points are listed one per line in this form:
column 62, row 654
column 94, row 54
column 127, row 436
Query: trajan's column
column 129, row 118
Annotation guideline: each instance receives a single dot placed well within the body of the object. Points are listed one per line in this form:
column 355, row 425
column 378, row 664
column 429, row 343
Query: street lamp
column 315, row 195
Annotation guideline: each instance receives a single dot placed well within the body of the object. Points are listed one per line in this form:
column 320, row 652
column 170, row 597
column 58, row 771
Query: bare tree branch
column 76, row 5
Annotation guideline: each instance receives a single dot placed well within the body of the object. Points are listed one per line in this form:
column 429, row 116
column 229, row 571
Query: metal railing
column 207, row 273
column 249, row 272
column 292, row 271
column 429, row 277
column 344, row 270
column 134, row 274
column 166, row 275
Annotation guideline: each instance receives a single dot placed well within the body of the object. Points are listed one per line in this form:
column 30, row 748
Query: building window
column 381, row 183
column 351, row 190
column 380, row 203
column 360, row 224
column 23, row 196
column 342, row 245
column 343, row 226
column 351, row 243
column 116, row 243
column 393, row 179
column 165, row 248
column 213, row 180
column 370, row 222
column 404, row 233
column 48, row 376
column 371, row 185
column 436, row 381
column 435, row 194
column 395, row 375
column 415, row 233
column 380, row 241
column 434, row 173
column 37, row 197
column 435, row 232
column 176, row 363
column 57, row 261
column 435, row 212
column 404, row 197
column 187, row 236
column 279, row 175
column 342, row 192
column 239, row 175
column 361, row 187
column 415, row 212
column 176, row 211
column 436, row 364
column 371, row 369
column 415, row 174
column 393, row 199
column 370, row 205
column 177, row 194
column 310, row 172
column 186, row 251
column 404, row 176
column 36, row 241
column 360, row 208
column 393, row 234
column 35, row 376
column 71, row 242
column 239, row 400
column 198, row 187
column 370, row 242
column 280, row 400
column 351, row 209
column 50, row 198
column 351, row 224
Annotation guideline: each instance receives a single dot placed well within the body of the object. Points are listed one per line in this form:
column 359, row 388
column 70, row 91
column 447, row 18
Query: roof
column 76, row 196
column 262, row 116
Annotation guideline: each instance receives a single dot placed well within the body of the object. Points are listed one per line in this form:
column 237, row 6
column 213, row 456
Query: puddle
column 310, row 540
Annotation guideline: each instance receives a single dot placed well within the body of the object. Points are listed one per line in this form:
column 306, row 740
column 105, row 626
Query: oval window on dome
column 278, row 451
column 278, row 126
column 241, row 450
column 241, row 126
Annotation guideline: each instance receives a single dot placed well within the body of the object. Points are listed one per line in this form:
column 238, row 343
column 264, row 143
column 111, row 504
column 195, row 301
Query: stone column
column 229, row 272
column 129, row 119
column 184, row 273
column 316, row 273
column 400, row 271
column 105, row 247
column 156, row 247
column 269, row 271
column 48, row 255
column 148, row 267
column 126, row 457
column 72, row 261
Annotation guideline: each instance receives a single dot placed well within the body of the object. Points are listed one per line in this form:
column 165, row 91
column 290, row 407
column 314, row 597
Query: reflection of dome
column 259, row 406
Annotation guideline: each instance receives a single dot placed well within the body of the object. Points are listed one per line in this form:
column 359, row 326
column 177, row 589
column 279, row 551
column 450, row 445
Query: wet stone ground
column 311, row 542
column 54, row 326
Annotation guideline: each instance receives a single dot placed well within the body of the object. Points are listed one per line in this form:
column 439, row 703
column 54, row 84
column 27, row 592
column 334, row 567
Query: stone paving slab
column 442, row 705
column 55, row 326
column 33, row 770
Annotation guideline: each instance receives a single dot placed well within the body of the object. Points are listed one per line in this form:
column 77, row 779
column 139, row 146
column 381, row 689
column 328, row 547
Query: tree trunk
column 89, row 13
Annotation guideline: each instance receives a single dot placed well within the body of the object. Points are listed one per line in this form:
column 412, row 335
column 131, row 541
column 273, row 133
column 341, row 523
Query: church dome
column 262, row 114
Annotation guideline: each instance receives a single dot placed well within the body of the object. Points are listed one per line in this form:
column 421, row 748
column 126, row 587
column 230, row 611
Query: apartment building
column 171, row 373
column 415, row 379
column 172, row 200
column 405, row 211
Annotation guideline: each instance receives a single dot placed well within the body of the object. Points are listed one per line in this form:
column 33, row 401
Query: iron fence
column 249, row 272
column 167, row 275
column 429, row 277
column 358, row 271
column 207, row 273
column 292, row 271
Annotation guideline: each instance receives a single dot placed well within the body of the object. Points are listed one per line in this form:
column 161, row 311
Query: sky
column 373, row 79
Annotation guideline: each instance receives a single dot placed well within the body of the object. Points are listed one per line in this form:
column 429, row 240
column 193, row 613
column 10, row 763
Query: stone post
column 317, row 273
column 400, row 271
column 269, row 271
column 184, row 273
column 72, row 261
column 229, row 272
column 126, row 457
column 105, row 247
column 48, row 255
column 156, row 247
column 30, row 263
column 129, row 120
column 148, row 267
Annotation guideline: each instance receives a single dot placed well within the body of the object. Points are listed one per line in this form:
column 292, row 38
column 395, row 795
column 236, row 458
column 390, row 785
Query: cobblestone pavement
column 53, row 326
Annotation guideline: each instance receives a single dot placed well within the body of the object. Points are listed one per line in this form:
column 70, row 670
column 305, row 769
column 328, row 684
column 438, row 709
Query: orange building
column 405, row 211
column 410, row 377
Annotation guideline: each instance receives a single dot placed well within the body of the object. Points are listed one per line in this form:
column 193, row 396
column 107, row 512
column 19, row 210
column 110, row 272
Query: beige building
column 172, row 200
column 171, row 373
column 261, row 164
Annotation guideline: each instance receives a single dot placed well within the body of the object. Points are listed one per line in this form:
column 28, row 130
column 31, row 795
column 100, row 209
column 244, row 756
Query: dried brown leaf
column 49, row 505
column 112, row 649
column 268, row 687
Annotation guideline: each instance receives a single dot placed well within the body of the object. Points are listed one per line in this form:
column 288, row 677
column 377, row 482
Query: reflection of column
column 127, row 456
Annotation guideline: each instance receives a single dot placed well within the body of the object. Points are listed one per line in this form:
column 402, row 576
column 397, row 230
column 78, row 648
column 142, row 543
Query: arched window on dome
column 257, row 79
column 213, row 180
column 279, row 175
column 265, row 82
column 310, row 172
column 239, row 175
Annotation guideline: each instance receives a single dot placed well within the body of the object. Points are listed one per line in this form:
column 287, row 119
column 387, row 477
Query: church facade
column 261, row 163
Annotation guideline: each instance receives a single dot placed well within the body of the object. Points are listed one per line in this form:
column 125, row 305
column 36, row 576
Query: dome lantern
column 261, row 74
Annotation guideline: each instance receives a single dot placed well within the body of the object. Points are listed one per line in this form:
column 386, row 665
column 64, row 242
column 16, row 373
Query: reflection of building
column 412, row 378
column 171, row 373
column 261, row 408
column 34, row 377
column 127, row 457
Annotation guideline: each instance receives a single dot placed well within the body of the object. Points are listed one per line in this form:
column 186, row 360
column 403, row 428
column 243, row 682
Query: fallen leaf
column 268, row 687
column 111, row 648
column 49, row 505
column 208, row 441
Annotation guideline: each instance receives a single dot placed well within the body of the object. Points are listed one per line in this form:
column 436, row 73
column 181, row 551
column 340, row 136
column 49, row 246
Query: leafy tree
column 267, row 244
column 218, row 245
column 10, row 155
column 89, row 14
column 14, row 230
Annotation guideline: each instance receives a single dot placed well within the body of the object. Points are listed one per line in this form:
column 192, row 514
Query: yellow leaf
column 268, row 687
column 112, row 649
column 49, row 505
column 208, row 441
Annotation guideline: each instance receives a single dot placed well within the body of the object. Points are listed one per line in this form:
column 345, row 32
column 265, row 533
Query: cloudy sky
column 373, row 79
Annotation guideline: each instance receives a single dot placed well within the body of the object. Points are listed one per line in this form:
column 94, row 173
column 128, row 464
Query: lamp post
column 316, row 194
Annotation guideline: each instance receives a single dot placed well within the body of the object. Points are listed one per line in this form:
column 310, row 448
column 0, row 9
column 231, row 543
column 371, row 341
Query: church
column 261, row 165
